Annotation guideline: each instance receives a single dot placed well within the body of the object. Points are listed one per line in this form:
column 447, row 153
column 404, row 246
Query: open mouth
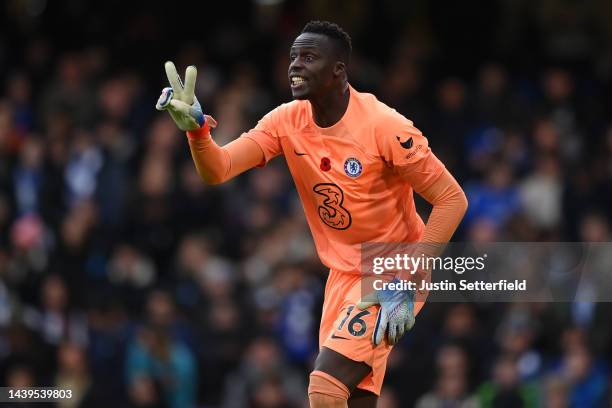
column 296, row 81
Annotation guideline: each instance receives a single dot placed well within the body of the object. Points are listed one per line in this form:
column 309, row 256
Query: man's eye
column 291, row 57
column 308, row 58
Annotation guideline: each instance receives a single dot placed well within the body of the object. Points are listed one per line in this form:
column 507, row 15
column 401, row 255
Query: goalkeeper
column 355, row 163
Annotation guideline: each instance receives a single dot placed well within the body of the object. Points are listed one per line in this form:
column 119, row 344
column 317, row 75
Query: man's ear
column 339, row 69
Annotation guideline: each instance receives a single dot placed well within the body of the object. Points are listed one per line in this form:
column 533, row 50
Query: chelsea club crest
column 353, row 167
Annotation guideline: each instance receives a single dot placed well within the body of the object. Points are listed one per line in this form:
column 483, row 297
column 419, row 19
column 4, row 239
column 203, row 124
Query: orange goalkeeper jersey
column 355, row 178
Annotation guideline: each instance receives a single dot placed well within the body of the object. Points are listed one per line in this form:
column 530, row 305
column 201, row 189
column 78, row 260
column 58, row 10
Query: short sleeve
column 266, row 135
column 404, row 148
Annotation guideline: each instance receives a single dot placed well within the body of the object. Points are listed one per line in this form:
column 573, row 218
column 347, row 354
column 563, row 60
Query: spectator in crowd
column 555, row 393
column 264, row 377
column 586, row 378
column 55, row 320
column 144, row 392
column 73, row 374
column 155, row 354
column 506, row 388
column 450, row 390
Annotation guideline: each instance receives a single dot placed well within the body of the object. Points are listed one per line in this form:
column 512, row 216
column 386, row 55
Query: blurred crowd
column 126, row 279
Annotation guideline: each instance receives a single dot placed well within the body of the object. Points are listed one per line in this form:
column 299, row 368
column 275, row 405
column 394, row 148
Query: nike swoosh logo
column 299, row 154
column 333, row 336
column 407, row 144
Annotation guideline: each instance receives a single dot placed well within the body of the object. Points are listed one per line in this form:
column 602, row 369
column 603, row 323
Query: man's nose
column 296, row 63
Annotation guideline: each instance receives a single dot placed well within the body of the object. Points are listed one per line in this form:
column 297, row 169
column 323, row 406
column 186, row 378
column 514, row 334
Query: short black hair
column 342, row 40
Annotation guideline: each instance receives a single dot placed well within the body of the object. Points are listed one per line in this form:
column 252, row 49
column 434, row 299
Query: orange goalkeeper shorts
column 348, row 330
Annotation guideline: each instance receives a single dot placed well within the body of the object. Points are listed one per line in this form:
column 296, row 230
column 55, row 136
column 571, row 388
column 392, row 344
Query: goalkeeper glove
column 180, row 101
column 396, row 314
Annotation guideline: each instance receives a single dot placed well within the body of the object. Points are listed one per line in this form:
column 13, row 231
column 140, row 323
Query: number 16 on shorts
column 352, row 323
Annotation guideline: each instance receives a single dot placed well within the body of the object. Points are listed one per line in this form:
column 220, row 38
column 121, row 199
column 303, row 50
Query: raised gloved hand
column 396, row 314
column 180, row 101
